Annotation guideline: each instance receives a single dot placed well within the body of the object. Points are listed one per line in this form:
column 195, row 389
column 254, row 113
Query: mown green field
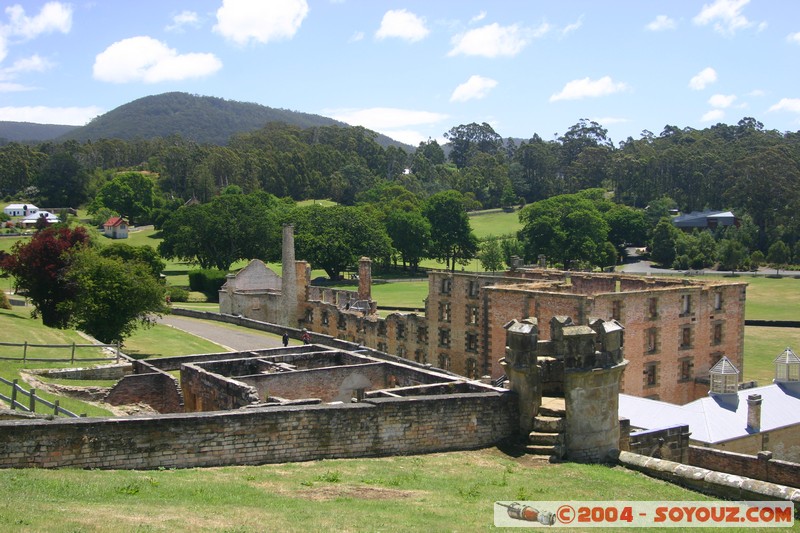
column 494, row 222
column 428, row 493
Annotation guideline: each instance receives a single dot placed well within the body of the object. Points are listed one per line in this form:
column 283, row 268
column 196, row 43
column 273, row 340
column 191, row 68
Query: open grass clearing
column 761, row 346
column 494, row 222
column 437, row 492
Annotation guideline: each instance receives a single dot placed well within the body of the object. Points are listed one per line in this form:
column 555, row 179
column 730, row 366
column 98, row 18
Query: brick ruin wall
column 761, row 466
column 221, row 393
column 374, row 427
column 157, row 389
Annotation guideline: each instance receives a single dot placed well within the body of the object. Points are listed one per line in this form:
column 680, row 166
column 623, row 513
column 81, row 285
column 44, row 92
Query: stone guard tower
column 591, row 361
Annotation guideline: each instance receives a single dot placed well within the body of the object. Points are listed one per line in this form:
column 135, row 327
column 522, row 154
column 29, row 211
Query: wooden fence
column 33, row 400
column 72, row 347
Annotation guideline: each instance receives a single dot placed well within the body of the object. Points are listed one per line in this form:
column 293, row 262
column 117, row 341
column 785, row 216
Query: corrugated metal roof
column 716, row 418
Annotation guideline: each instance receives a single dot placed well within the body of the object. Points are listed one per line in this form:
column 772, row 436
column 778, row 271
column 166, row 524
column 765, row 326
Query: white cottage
column 20, row 210
column 116, row 228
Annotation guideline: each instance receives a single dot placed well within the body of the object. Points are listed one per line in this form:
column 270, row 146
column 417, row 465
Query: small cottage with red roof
column 116, row 228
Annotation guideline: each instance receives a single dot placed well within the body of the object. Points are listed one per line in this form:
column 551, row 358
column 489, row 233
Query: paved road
column 232, row 338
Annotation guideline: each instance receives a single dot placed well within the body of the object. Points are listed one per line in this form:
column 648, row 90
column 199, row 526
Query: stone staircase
column 547, row 438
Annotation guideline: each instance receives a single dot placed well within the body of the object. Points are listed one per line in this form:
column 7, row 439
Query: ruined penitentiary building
column 676, row 329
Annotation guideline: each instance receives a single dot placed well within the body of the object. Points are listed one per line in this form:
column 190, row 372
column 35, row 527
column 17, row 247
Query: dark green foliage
column 452, row 240
column 131, row 194
column 334, row 238
column 177, row 294
column 662, row 245
column 567, row 229
column 207, row 281
column 143, row 254
column 229, row 228
column 112, row 297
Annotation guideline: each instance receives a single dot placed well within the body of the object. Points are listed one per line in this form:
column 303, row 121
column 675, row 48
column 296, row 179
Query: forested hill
column 204, row 119
column 28, row 131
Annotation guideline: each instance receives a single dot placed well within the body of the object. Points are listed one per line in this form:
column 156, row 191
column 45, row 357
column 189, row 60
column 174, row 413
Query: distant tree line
column 743, row 167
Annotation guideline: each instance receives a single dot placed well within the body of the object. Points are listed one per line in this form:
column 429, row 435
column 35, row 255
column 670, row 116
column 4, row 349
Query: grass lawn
column 494, row 222
column 437, row 492
column 762, row 346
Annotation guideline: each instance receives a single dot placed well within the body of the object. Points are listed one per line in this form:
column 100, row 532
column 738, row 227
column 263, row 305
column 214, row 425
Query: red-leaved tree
column 39, row 267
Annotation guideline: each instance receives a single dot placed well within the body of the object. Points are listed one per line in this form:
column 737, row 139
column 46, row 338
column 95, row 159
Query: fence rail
column 73, row 346
column 33, row 400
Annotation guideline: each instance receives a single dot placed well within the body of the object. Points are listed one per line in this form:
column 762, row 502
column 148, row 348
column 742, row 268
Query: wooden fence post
column 24, row 351
column 72, row 359
column 55, row 407
column 33, row 401
column 14, row 394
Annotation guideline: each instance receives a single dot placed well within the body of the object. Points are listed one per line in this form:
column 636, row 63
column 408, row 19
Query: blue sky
column 415, row 69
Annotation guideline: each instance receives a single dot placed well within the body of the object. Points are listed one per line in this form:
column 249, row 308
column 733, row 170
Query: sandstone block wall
column 671, row 443
column 270, row 435
column 221, row 393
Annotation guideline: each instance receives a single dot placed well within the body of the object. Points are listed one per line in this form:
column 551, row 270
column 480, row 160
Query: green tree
column 567, row 228
column 778, row 255
column 131, row 194
column 143, row 254
column 229, row 228
column 334, row 238
column 491, row 255
column 452, row 240
column 111, row 297
column 757, row 259
column 731, row 254
column 410, row 232
column 662, row 245
column 39, row 267
column 62, row 180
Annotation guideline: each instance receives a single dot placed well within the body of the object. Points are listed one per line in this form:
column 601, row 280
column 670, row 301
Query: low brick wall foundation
column 762, row 466
column 375, row 427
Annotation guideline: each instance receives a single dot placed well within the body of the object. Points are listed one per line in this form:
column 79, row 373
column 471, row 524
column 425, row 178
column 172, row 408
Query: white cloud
column 721, row 101
column 35, row 63
column 475, row 88
column 402, row 24
column 243, row 21
column 787, row 104
column 714, row 114
column 477, row 18
column 725, row 15
column 54, row 16
column 494, row 40
column 661, row 23
column 703, row 78
column 357, row 36
column 8, row 87
column 569, row 28
column 144, row 59
column 183, row 19
column 794, row 37
column 72, row 116
column 588, row 88
column 757, row 93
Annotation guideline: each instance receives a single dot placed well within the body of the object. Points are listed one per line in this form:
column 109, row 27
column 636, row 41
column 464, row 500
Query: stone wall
column 106, row 372
column 375, row 427
column 720, row 484
column 783, row 442
column 221, row 393
column 761, row 466
column 157, row 389
column 671, row 443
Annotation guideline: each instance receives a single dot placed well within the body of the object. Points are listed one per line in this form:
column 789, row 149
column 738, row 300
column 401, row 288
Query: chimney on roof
column 754, row 413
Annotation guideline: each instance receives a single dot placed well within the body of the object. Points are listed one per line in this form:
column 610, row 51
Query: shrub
column 207, row 281
column 177, row 294
column 4, row 303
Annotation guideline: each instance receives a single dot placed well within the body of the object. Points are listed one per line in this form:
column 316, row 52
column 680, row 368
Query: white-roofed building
column 31, row 220
column 20, row 210
column 744, row 421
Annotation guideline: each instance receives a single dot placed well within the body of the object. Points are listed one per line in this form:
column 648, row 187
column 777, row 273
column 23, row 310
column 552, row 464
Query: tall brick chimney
column 365, row 278
column 288, row 315
column 754, row 413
